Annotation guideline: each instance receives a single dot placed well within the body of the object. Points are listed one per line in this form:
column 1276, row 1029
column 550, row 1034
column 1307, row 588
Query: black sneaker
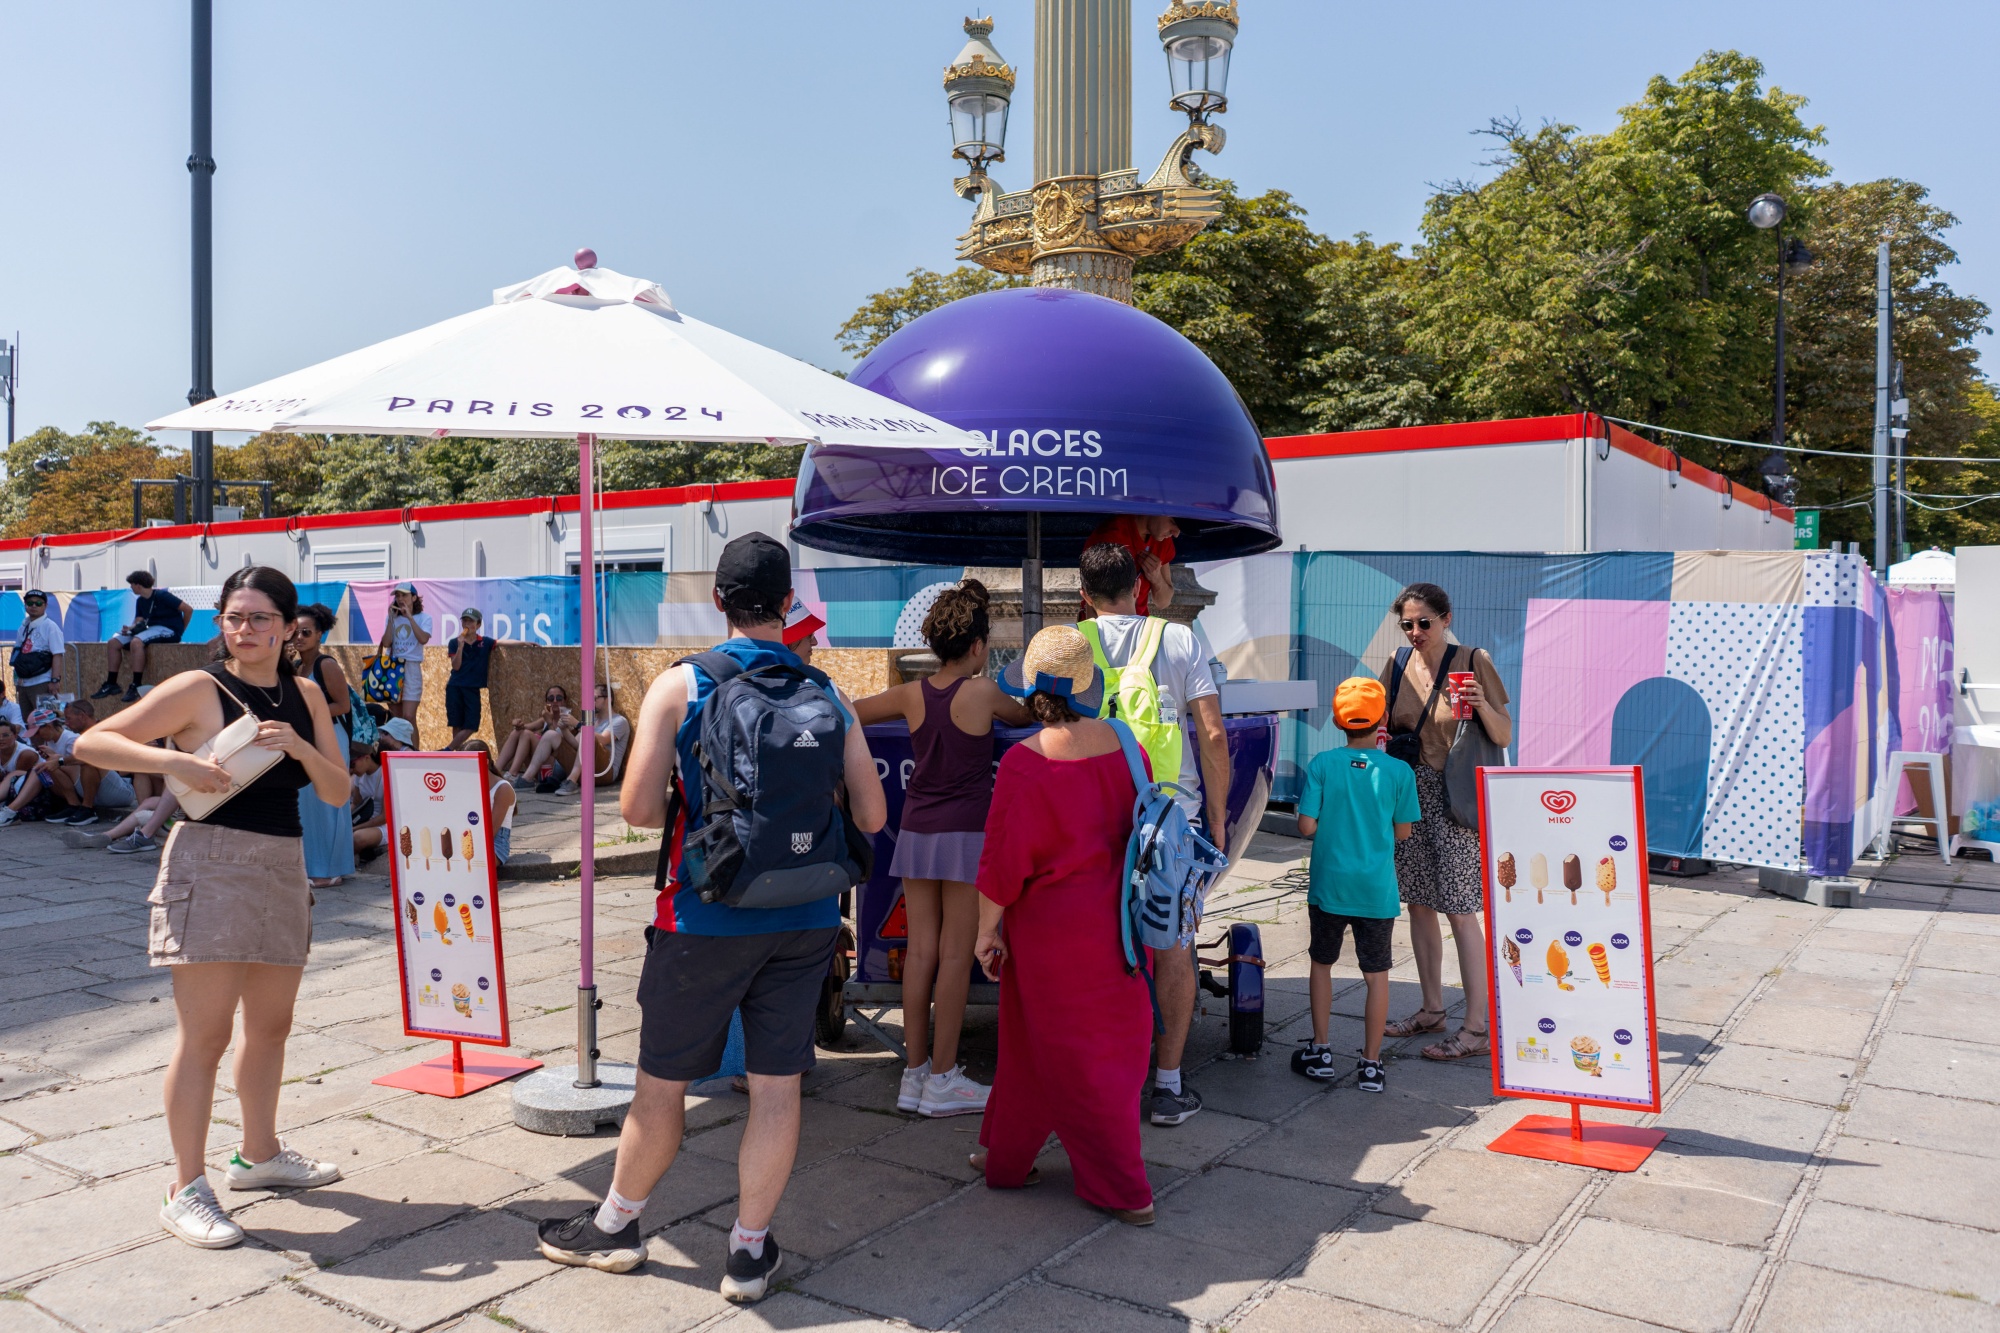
column 747, row 1280
column 131, row 695
column 1371, row 1076
column 1171, row 1108
column 1315, row 1062
column 576, row 1241
column 70, row 814
column 106, row 690
column 83, row 816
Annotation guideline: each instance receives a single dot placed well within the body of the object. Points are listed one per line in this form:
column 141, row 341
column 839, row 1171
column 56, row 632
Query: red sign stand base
column 455, row 1076
column 1594, row 1143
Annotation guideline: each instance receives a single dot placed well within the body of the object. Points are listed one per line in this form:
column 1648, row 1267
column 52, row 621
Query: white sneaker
column 952, row 1093
column 198, row 1219
column 912, row 1090
column 288, row 1170
column 7, row 816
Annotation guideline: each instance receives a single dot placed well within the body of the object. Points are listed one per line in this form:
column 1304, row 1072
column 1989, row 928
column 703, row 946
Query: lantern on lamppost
column 979, row 86
column 1089, row 213
column 1767, row 213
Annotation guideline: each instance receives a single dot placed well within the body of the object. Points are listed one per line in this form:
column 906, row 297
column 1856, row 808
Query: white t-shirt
column 1180, row 668
column 613, row 734
column 40, row 635
column 10, row 712
column 403, row 640
column 65, row 745
column 368, row 787
column 20, row 748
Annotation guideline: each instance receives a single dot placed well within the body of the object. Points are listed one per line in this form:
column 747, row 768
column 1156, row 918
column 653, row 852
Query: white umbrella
column 1926, row 569
column 581, row 352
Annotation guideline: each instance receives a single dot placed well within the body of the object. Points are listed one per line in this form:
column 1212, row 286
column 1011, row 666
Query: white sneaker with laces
column 952, row 1093
column 7, row 816
column 911, row 1093
column 195, row 1216
column 288, row 1170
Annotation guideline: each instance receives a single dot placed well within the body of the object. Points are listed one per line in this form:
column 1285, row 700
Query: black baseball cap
column 35, row 595
column 754, row 573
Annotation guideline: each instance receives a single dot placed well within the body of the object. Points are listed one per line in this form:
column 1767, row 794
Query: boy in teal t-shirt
column 1358, row 804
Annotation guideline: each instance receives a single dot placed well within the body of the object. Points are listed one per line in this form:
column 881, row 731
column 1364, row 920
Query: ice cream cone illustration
column 1506, row 874
column 1512, row 951
column 405, row 843
column 465, row 845
column 1601, row 961
column 442, row 922
column 1607, row 877
column 424, row 845
column 444, row 843
column 410, row 910
column 465, row 916
column 1538, row 873
column 1559, row 966
column 1572, row 876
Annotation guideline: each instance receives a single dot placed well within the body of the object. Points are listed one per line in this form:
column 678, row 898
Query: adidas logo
column 806, row 741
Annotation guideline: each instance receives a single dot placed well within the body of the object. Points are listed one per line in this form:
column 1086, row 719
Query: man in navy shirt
column 157, row 617
column 470, row 652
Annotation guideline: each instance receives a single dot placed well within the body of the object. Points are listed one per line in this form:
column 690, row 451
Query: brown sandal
column 1460, row 1046
column 977, row 1161
column 1410, row 1027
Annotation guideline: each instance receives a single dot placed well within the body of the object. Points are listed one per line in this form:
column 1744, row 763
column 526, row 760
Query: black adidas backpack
column 773, row 829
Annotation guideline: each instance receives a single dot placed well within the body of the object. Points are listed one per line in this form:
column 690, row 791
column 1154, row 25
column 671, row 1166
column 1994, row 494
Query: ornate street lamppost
column 1089, row 213
column 1767, row 213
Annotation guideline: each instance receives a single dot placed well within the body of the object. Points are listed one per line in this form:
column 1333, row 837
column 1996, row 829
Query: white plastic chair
column 1939, row 820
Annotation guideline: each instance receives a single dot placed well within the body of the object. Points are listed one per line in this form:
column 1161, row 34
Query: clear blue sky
column 770, row 162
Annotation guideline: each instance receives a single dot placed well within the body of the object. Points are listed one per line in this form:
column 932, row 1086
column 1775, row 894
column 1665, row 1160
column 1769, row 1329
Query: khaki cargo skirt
column 226, row 896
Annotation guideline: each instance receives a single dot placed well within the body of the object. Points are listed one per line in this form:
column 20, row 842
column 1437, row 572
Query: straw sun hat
column 1059, row 663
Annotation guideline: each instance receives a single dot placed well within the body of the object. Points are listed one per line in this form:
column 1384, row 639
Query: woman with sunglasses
column 1437, row 867
column 232, row 914
column 519, row 747
column 329, row 829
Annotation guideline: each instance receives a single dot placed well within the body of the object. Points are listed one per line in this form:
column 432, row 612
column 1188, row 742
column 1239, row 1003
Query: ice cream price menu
column 441, row 872
column 1568, row 926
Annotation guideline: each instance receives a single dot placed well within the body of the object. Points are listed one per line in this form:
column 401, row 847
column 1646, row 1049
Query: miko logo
column 434, row 783
column 1559, row 804
column 802, row 842
column 806, row 741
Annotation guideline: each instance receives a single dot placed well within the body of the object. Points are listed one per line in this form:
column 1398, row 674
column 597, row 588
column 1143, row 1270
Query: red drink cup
column 1456, row 681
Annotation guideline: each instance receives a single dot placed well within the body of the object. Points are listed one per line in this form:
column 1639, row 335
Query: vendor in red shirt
column 1150, row 539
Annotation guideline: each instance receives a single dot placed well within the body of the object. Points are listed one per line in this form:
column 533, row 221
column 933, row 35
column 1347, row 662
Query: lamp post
column 1089, row 214
column 1767, row 213
column 10, row 375
column 201, row 176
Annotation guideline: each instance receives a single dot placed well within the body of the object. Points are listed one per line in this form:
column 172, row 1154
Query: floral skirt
column 1437, row 866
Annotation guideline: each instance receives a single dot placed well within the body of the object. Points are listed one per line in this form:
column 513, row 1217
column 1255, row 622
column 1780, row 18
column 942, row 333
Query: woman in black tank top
column 232, row 913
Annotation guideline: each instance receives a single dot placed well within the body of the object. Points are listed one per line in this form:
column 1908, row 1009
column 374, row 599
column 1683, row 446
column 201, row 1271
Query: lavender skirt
column 953, row 856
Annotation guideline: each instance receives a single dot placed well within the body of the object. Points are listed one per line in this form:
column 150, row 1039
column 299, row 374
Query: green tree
column 288, row 460
column 111, row 454
column 364, row 472
column 888, row 310
column 455, row 465
column 1360, row 372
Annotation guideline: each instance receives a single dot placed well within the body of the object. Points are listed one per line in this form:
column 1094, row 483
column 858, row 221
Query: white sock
column 743, row 1238
column 1170, row 1079
column 618, row 1212
column 938, row 1080
column 924, row 1068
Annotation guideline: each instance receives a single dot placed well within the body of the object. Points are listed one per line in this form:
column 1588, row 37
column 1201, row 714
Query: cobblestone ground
column 1832, row 1161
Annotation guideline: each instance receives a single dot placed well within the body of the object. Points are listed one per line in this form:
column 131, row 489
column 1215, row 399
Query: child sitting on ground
column 1358, row 804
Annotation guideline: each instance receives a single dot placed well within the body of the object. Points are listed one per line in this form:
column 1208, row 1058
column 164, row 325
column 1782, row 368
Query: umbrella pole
column 1031, row 584
column 586, row 983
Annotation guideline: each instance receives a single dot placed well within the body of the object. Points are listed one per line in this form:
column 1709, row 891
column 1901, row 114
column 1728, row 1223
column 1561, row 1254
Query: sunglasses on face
column 1421, row 622
column 554, row 699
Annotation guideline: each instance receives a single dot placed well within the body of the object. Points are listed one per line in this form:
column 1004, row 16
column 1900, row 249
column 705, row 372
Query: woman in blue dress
column 329, row 829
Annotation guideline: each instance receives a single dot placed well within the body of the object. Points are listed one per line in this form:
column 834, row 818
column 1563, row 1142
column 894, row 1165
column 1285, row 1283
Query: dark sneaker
column 747, row 1279
column 131, row 695
column 106, row 690
column 70, row 813
column 129, row 845
column 1315, row 1062
column 576, row 1241
column 1172, row 1108
column 1371, row 1076
column 83, row 816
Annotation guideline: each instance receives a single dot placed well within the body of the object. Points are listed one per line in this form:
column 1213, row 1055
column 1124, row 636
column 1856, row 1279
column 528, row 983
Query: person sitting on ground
column 17, row 761
column 371, row 818
column 526, row 735
column 1149, row 538
column 34, row 796
column 612, row 731
column 500, row 802
column 396, row 734
column 1075, row 1025
column 83, row 788
column 158, row 617
column 137, row 832
column 10, row 711
column 946, row 797
column 1358, row 804
column 471, row 653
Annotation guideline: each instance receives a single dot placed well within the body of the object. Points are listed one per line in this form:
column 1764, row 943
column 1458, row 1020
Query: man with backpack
column 1160, row 679
column 741, row 755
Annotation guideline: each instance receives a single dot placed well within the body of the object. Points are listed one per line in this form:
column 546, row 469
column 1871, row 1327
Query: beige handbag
column 235, row 748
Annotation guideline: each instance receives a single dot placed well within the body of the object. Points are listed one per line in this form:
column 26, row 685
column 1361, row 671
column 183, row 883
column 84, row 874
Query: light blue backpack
column 1168, row 866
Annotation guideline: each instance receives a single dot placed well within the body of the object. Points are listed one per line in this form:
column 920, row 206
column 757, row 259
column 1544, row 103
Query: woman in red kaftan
column 1075, row 1027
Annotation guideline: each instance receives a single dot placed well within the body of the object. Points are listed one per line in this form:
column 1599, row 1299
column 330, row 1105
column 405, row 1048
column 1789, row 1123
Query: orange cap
column 1359, row 702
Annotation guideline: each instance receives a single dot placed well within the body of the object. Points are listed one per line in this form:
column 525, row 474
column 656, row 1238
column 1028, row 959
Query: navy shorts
column 691, row 984
column 461, row 707
column 1373, row 937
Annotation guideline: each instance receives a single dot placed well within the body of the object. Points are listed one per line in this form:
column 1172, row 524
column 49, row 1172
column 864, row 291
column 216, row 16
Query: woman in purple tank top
column 951, row 719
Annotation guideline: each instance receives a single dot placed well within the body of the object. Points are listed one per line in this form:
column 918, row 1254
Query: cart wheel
column 830, row 1022
column 1246, row 1032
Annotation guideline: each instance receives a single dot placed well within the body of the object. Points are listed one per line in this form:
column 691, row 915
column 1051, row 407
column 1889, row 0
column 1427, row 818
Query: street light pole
column 1883, row 517
column 201, row 176
column 10, row 375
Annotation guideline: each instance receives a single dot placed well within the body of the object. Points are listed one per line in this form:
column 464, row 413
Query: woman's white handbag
column 235, row 748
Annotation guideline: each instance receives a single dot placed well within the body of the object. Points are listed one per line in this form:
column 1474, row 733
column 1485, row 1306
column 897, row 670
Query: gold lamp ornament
column 1089, row 213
